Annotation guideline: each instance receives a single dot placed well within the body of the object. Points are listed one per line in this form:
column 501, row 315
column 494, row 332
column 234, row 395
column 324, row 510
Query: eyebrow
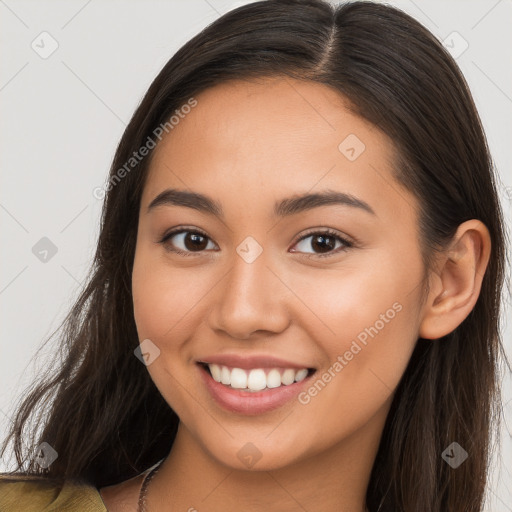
column 284, row 208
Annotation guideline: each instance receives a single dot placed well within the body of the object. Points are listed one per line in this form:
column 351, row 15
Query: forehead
column 269, row 138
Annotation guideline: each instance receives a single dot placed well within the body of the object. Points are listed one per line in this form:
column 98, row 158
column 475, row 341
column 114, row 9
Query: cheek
column 366, row 326
column 360, row 293
column 363, row 373
column 164, row 298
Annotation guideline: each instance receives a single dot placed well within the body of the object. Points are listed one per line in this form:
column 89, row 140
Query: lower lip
column 248, row 402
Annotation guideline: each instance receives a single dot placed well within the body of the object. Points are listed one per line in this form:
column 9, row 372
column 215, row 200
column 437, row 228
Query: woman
column 295, row 298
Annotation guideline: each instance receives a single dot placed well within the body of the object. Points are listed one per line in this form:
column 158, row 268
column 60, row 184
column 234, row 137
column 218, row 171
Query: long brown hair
column 99, row 409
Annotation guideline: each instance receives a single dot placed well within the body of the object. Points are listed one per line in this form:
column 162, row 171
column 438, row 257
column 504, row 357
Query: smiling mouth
column 256, row 379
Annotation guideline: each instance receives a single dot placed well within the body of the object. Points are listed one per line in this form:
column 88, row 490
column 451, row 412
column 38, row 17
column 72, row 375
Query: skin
column 247, row 145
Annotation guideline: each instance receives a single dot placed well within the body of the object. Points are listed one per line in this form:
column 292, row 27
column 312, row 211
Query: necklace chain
column 144, row 489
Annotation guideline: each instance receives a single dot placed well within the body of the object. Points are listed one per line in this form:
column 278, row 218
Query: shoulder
column 37, row 494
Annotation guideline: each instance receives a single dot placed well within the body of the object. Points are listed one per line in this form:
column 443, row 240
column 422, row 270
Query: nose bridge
column 247, row 301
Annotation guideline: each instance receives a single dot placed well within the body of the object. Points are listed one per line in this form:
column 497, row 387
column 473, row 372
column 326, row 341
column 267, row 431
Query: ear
column 457, row 282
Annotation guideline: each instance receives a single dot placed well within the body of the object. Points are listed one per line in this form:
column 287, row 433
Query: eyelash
column 347, row 243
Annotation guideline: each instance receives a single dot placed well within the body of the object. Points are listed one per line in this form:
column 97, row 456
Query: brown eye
column 186, row 242
column 195, row 241
column 323, row 243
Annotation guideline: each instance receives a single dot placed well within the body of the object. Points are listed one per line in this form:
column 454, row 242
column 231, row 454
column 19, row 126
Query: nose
column 250, row 298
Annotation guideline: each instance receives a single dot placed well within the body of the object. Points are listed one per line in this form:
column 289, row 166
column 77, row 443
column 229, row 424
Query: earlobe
column 458, row 280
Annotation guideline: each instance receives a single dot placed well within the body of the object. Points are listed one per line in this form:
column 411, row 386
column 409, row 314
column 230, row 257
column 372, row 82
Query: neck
column 191, row 479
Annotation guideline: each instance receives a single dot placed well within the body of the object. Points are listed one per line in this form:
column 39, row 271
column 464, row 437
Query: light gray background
column 62, row 117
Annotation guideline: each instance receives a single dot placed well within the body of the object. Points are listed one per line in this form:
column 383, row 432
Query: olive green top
column 36, row 494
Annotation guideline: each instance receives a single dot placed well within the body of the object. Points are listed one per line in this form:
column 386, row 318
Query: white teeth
column 288, row 377
column 225, row 376
column 257, row 379
column 238, row 378
column 273, row 378
column 301, row 375
column 216, row 372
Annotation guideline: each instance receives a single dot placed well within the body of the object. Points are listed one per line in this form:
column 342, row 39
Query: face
column 306, row 309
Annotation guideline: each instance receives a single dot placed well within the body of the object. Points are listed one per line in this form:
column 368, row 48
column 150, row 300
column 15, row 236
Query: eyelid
column 333, row 232
column 179, row 230
column 347, row 241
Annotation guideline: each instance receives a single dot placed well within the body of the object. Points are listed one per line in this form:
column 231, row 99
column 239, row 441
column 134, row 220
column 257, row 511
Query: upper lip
column 249, row 362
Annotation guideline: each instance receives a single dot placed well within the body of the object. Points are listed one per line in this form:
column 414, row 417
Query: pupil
column 195, row 237
column 323, row 243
